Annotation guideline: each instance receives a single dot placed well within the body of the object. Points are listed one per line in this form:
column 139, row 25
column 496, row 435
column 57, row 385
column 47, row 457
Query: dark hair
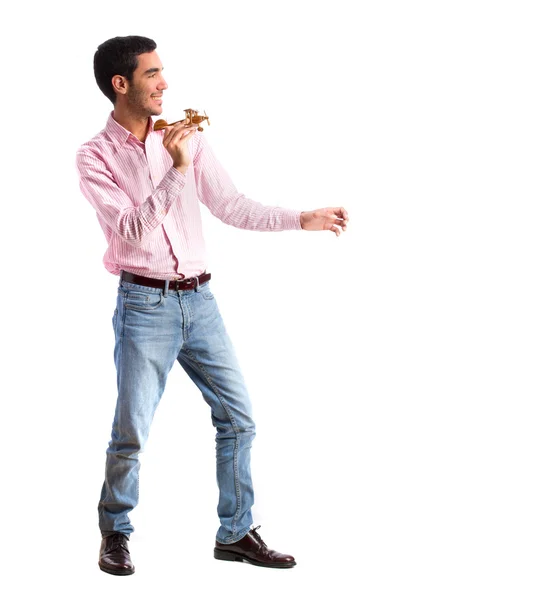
column 117, row 56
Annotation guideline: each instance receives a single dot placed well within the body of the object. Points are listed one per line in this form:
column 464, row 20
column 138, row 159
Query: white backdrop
column 403, row 376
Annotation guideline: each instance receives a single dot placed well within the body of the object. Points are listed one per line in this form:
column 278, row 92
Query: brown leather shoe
column 253, row 549
column 114, row 556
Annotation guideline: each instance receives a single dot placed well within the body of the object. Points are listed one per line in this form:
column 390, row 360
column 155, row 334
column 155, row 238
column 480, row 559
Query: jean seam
column 189, row 326
column 236, row 430
column 123, row 317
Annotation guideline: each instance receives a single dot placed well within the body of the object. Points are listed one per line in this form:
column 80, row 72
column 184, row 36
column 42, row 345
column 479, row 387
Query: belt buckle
column 187, row 281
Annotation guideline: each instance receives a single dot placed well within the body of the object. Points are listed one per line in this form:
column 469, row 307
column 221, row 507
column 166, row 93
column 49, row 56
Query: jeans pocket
column 137, row 300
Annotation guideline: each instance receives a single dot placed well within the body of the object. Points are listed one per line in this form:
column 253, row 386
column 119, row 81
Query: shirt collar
column 118, row 133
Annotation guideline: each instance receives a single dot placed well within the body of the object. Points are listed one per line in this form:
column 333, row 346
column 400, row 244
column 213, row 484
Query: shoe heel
column 225, row 555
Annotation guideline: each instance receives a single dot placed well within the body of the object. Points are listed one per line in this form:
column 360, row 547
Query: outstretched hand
column 325, row 219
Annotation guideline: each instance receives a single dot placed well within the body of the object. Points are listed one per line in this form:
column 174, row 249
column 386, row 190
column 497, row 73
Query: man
column 145, row 186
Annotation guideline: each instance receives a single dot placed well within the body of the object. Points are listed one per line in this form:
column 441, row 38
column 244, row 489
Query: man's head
column 129, row 71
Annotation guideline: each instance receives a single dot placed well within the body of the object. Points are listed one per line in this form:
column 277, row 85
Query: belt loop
column 120, row 278
column 165, row 288
column 196, row 284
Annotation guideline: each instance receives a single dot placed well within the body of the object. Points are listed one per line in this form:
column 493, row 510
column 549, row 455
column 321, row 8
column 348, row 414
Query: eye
column 152, row 75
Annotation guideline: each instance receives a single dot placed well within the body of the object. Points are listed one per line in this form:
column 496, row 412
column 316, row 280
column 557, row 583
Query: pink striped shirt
column 149, row 211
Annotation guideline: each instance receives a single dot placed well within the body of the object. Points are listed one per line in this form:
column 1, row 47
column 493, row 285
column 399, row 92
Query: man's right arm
column 132, row 223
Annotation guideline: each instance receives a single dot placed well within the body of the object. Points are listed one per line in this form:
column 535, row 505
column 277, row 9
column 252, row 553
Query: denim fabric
column 153, row 328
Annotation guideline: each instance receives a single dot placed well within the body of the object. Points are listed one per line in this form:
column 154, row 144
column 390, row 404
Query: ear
column 120, row 84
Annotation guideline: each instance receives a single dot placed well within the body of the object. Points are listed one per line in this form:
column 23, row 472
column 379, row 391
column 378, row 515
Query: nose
column 162, row 84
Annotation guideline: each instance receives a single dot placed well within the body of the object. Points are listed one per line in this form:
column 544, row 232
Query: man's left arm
column 216, row 191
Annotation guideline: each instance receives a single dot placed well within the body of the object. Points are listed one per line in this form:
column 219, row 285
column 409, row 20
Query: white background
column 404, row 376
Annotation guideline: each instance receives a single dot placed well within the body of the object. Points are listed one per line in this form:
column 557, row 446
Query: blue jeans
column 153, row 328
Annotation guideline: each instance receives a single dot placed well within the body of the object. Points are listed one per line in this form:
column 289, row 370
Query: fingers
column 341, row 213
column 341, row 219
column 345, row 218
column 335, row 229
column 176, row 133
column 175, row 142
column 171, row 132
column 333, row 219
column 341, row 223
column 177, row 138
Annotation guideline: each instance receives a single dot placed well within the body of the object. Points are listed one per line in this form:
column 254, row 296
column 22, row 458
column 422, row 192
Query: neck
column 138, row 126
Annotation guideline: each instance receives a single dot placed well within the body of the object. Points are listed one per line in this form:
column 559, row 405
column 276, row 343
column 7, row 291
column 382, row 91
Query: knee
column 246, row 435
column 126, row 445
column 248, row 425
column 247, row 428
column 233, row 431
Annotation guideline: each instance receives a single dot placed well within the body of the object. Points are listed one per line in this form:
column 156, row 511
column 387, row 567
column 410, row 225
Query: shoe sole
column 232, row 556
column 115, row 572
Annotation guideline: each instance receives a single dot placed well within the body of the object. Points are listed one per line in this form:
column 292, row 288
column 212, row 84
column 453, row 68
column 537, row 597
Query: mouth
column 158, row 98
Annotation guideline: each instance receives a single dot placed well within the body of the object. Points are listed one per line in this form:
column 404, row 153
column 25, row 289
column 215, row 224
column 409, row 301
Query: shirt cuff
column 174, row 180
column 292, row 219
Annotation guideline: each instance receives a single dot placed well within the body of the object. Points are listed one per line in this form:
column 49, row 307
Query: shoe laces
column 258, row 537
column 118, row 539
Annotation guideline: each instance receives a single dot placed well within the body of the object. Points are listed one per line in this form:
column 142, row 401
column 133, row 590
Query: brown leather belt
column 174, row 284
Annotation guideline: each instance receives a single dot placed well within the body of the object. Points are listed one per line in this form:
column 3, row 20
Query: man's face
column 144, row 96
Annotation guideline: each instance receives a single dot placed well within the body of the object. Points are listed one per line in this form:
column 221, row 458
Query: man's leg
column 209, row 359
column 148, row 336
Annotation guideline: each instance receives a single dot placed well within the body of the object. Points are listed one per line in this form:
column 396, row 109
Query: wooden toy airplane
column 191, row 116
